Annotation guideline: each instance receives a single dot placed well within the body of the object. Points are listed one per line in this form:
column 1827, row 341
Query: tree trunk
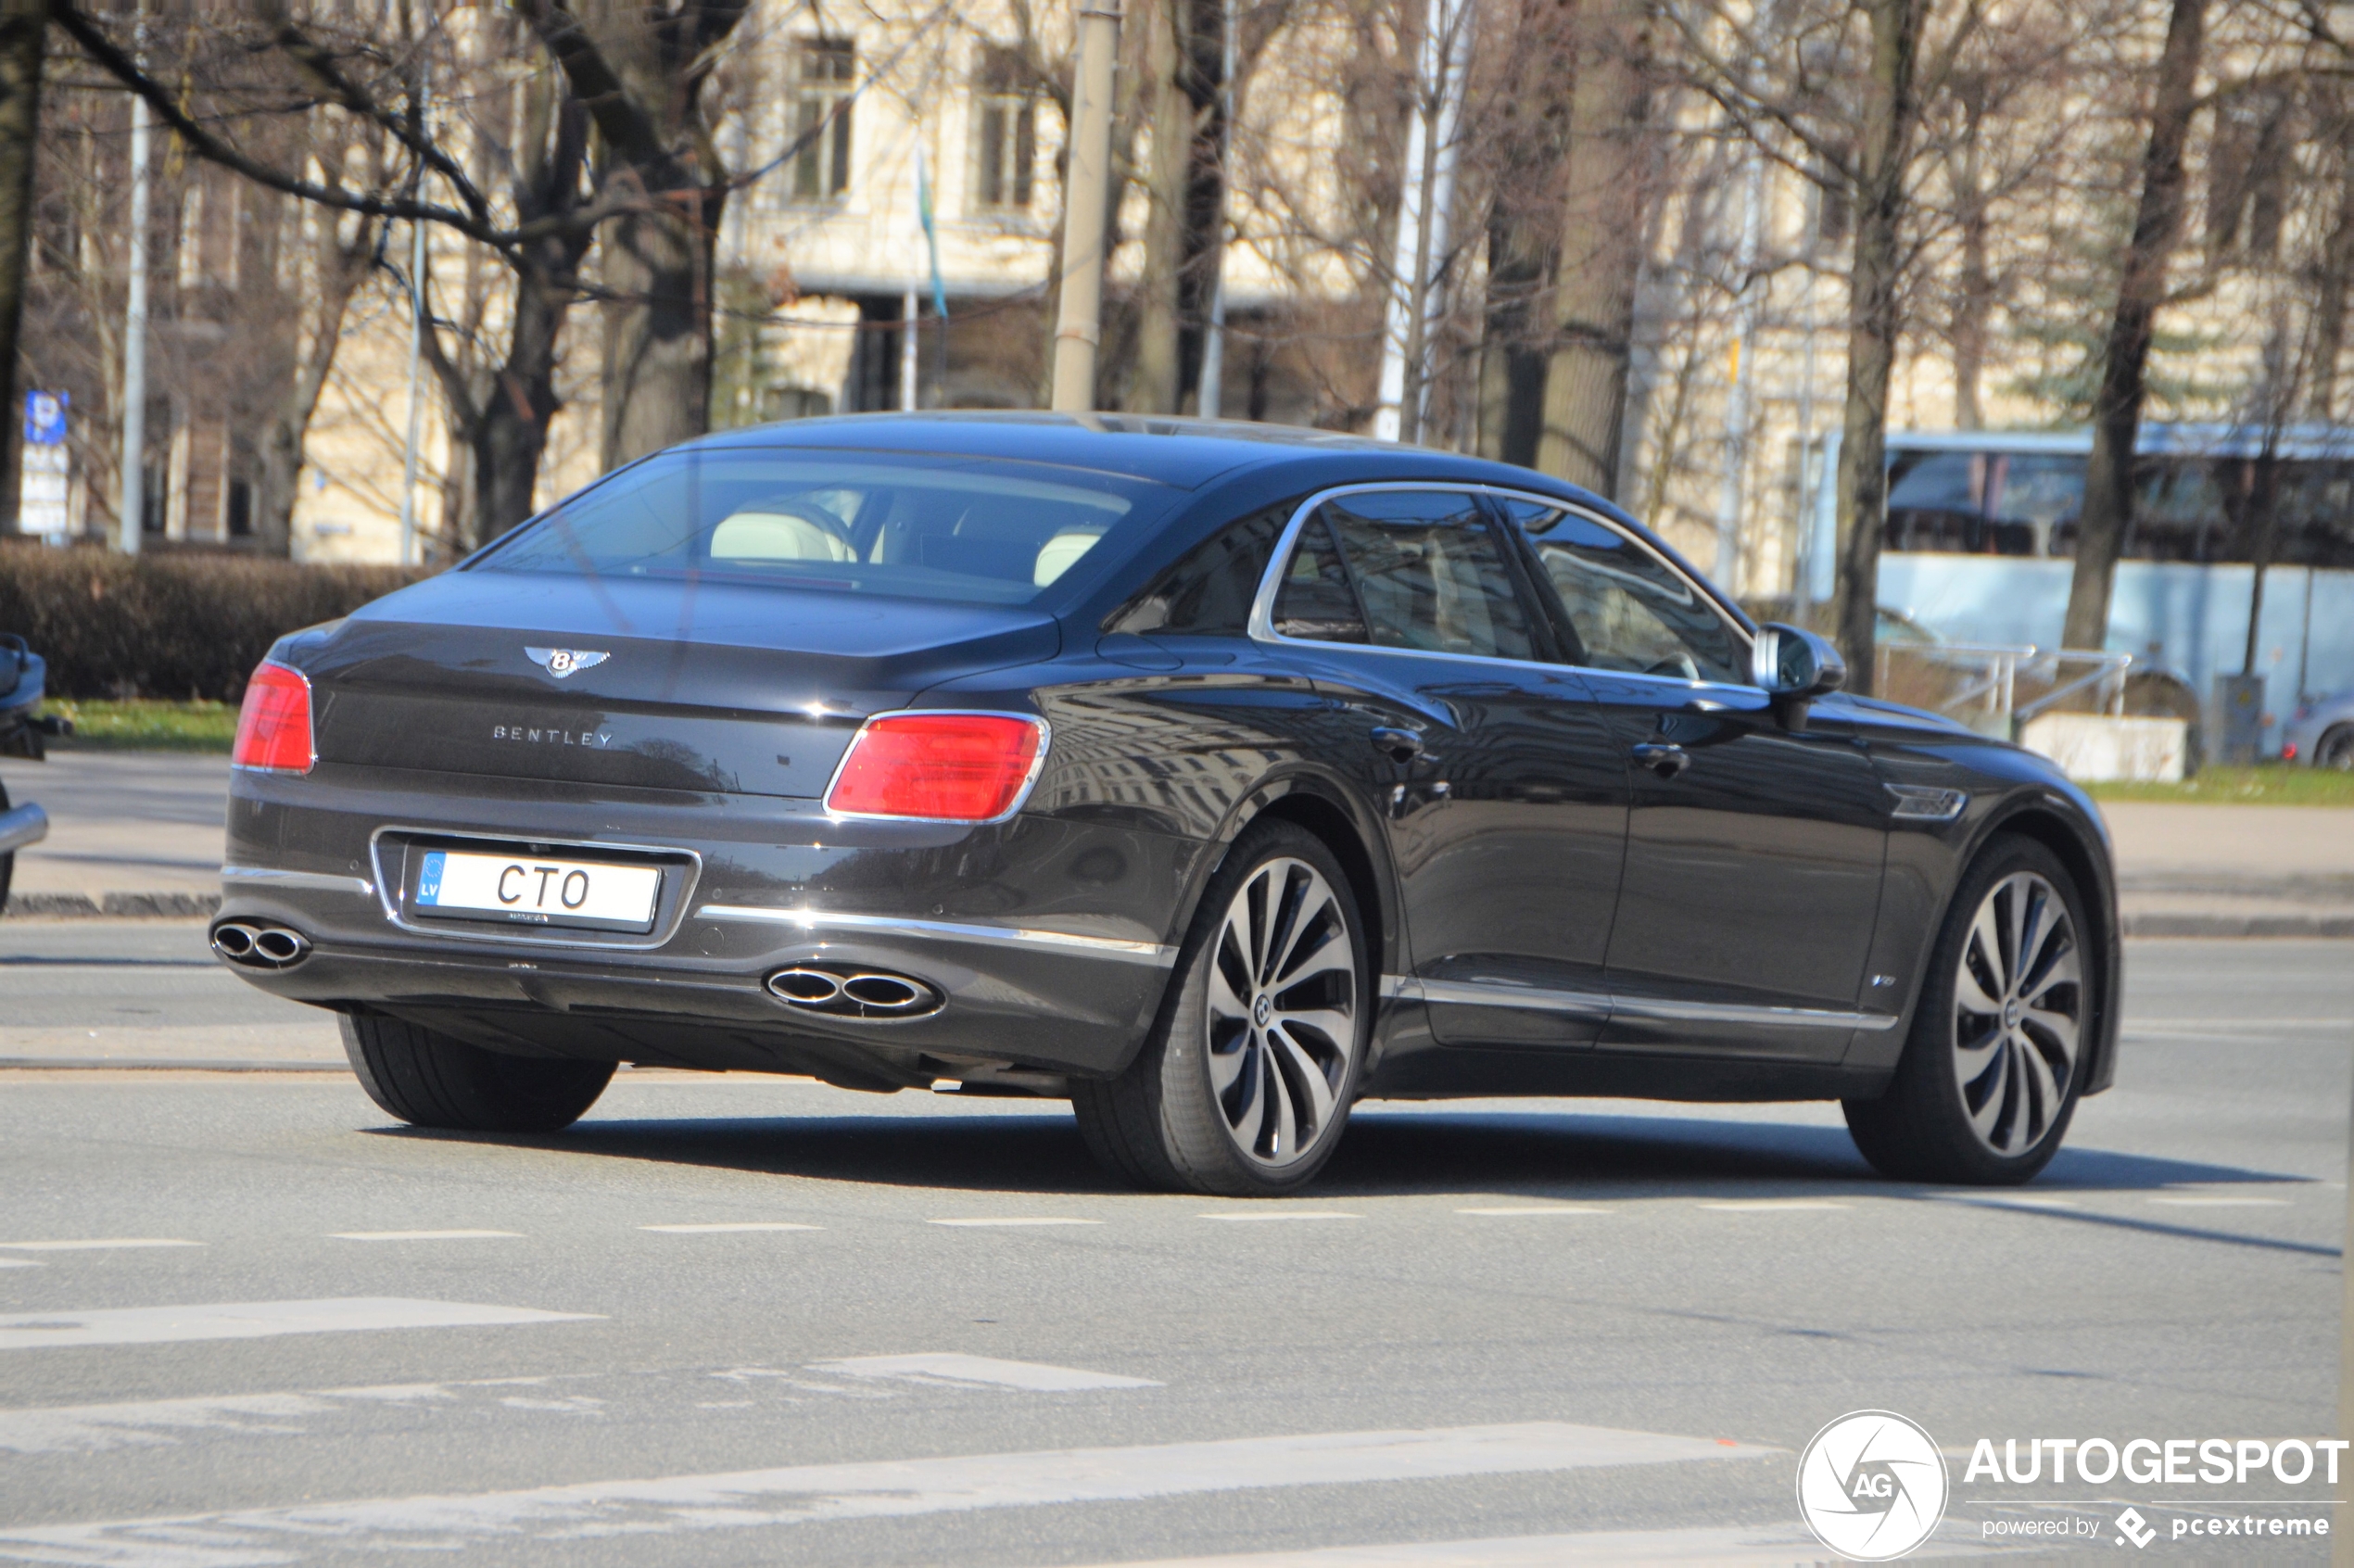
column 1875, row 315
column 1152, row 387
column 657, row 370
column 1601, row 253
column 22, row 25
column 2116, row 411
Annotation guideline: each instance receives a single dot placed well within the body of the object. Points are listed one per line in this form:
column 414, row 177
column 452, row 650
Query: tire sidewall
column 1926, row 1073
column 1194, row 1127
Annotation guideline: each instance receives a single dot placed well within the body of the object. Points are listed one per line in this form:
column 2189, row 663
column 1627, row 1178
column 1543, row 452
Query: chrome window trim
column 1021, row 796
column 1612, row 1006
column 310, row 882
column 1261, row 623
column 388, row 892
column 1009, row 936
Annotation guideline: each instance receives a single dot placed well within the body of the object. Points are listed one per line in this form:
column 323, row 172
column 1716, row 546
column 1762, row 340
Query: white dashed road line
column 948, row 1367
column 728, row 1227
column 256, row 1319
column 17, row 1263
column 879, row 1489
column 1284, row 1214
column 421, row 1235
column 1771, row 1206
column 980, row 1222
column 105, row 1245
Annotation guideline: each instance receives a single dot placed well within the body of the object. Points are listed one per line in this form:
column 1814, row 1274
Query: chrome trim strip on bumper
column 26, row 825
column 1006, row 936
column 1599, row 1004
column 311, row 881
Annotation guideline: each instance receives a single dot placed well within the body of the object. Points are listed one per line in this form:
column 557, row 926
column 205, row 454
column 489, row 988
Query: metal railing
column 1980, row 684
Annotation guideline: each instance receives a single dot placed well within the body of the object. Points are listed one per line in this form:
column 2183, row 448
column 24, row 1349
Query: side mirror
column 1795, row 665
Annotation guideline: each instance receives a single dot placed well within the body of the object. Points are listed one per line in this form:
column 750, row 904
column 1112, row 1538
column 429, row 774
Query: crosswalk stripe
column 943, row 1366
column 256, row 1319
column 888, row 1488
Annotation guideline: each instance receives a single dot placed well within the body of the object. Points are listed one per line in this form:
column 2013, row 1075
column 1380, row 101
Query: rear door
column 1504, row 795
column 1754, row 845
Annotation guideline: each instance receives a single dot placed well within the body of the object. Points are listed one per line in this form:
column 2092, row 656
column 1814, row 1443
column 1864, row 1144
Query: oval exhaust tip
column 809, row 987
column 280, row 946
column 886, row 991
column 234, row 942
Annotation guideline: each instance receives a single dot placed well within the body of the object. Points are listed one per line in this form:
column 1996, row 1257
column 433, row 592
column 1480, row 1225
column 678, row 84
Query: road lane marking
column 978, row 1221
column 107, row 1243
column 20, row 1263
column 1771, row 1206
column 420, row 1235
column 948, row 1367
column 728, row 1226
column 257, row 1320
column 901, row 1488
column 2223, row 1202
column 1767, row 1546
column 1284, row 1214
column 1534, row 1209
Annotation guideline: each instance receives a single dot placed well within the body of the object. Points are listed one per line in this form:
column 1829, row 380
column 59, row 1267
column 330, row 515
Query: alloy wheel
column 1283, row 1013
column 2019, row 1010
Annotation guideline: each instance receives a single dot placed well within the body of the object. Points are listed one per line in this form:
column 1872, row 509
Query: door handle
column 1398, row 745
column 1663, row 758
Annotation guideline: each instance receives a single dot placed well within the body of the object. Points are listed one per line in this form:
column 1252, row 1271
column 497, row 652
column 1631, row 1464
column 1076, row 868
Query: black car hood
column 704, row 686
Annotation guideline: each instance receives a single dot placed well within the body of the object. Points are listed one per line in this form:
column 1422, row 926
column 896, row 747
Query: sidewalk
column 136, row 833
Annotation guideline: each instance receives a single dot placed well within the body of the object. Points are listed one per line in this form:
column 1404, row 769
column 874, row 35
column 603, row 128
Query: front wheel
column 1990, row 1076
column 2336, row 751
column 430, row 1079
column 1245, row 1084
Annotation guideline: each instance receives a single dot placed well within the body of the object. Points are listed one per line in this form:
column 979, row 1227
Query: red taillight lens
column 273, row 727
column 942, row 767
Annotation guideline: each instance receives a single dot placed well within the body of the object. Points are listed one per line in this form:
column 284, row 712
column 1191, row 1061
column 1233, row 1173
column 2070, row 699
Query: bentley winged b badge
column 561, row 662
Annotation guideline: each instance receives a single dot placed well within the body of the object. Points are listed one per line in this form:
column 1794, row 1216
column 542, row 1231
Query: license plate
column 536, row 891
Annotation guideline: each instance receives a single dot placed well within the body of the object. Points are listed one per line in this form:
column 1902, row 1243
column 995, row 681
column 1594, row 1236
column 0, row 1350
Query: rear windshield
column 960, row 529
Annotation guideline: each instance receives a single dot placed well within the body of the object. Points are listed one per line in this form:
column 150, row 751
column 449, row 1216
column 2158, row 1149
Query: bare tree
column 22, row 27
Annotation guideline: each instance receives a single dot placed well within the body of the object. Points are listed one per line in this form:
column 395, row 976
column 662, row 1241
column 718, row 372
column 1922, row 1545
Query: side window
column 1208, row 590
column 1315, row 600
column 1628, row 609
column 1431, row 573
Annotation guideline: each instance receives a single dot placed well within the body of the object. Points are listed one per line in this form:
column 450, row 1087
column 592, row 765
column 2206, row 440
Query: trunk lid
column 711, row 687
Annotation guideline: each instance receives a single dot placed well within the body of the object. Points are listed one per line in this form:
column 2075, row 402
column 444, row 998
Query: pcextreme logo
column 1871, row 1485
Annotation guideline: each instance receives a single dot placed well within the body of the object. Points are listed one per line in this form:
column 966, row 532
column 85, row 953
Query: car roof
column 1186, row 453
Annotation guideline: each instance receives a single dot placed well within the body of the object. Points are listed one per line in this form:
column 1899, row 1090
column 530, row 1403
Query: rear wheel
column 1988, row 1082
column 2336, row 751
column 1245, row 1084
column 430, row 1079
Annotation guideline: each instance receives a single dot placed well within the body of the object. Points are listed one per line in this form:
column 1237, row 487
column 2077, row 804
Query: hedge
column 178, row 626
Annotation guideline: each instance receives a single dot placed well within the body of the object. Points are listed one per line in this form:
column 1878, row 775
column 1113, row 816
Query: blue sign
column 44, row 418
column 429, row 883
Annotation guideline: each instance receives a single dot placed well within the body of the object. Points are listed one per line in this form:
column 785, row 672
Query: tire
column 430, row 1079
column 1244, row 1086
column 8, row 861
column 2336, row 751
column 1983, row 1097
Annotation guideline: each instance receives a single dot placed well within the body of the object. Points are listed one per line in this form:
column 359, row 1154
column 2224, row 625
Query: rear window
column 957, row 529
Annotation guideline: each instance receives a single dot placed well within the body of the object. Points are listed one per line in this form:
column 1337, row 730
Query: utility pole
column 1213, row 345
column 907, row 399
column 131, row 486
column 1079, row 328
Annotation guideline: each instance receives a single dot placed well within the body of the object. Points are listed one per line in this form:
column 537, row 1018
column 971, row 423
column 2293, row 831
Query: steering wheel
column 1680, row 665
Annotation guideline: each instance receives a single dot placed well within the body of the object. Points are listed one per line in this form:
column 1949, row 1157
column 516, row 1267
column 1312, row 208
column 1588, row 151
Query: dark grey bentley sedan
column 1211, row 776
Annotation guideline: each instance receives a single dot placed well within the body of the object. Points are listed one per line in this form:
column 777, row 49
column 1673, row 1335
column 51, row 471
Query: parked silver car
column 2321, row 732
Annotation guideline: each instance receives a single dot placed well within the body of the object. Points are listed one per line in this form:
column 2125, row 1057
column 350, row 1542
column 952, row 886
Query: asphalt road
column 745, row 1320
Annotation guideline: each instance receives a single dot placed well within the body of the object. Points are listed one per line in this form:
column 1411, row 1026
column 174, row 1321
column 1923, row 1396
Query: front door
column 1755, row 840
column 1503, row 790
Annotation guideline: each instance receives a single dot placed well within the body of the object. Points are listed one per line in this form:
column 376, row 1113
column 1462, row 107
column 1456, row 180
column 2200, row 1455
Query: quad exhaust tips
column 853, row 993
column 253, row 945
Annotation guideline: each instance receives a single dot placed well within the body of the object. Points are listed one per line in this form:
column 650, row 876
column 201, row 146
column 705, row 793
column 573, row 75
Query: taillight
column 939, row 768
column 273, row 727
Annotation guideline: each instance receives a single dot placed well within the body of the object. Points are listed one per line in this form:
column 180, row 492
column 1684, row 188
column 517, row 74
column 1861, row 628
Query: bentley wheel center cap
column 1261, row 1010
column 2012, row 1013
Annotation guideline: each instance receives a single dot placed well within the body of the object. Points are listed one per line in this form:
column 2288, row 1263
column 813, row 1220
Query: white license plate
column 534, row 891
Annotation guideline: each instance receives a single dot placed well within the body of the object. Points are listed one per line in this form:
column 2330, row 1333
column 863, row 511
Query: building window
column 237, row 516
column 825, row 70
column 1005, row 138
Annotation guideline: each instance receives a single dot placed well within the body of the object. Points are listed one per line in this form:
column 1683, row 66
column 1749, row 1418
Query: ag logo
column 561, row 662
column 1871, row 1485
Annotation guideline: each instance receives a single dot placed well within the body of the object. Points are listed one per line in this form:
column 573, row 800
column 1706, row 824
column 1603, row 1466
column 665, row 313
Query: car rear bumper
column 1046, row 941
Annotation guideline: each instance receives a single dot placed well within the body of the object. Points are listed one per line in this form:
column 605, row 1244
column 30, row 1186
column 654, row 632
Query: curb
column 2164, row 925
column 113, row 905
